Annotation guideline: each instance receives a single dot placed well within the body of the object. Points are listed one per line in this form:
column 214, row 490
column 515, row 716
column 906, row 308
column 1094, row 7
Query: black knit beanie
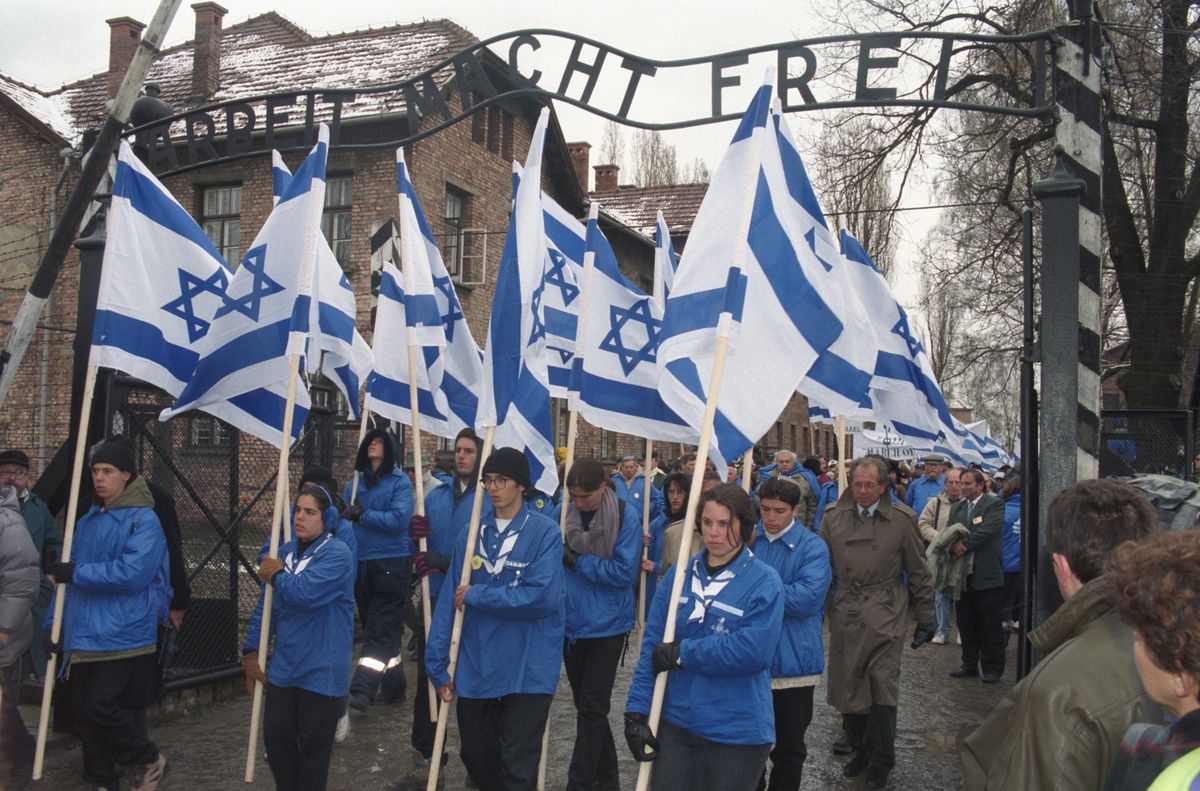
column 511, row 463
column 118, row 452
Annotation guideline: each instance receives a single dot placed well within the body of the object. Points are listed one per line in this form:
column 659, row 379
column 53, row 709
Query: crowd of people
column 551, row 583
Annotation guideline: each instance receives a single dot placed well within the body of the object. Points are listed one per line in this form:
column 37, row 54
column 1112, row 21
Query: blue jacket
column 312, row 618
column 382, row 530
column 512, row 628
column 634, row 493
column 600, row 600
column 449, row 515
column 723, row 691
column 1011, row 537
column 801, row 559
column 120, row 590
column 920, row 490
column 658, row 526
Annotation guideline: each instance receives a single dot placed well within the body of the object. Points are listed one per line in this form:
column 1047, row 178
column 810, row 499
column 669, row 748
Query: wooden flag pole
column 439, row 739
column 641, row 605
column 89, row 391
column 689, row 520
column 840, row 426
column 419, row 509
column 285, row 441
column 362, row 432
column 747, row 468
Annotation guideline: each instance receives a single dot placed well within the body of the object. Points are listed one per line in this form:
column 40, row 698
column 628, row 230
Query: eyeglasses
column 495, row 481
column 14, row 473
column 864, row 487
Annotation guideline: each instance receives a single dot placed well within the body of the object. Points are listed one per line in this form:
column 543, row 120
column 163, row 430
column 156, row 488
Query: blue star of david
column 811, row 238
column 453, row 310
column 615, row 343
column 539, row 328
column 901, row 329
column 190, row 287
column 557, row 277
column 262, row 287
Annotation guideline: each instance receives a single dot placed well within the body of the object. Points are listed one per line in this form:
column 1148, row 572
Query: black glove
column 665, row 657
column 62, row 571
column 426, row 563
column 49, row 646
column 639, row 737
column 924, row 634
column 418, row 528
column 354, row 512
column 570, row 557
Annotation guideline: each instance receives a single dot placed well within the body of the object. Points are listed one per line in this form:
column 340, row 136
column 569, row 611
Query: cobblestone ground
column 207, row 746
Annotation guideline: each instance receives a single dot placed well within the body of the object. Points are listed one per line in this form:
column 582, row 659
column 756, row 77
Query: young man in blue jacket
column 117, row 595
column 602, row 552
column 512, row 628
column 448, row 515
column 380, row 510
column 717, row 721
column 802, row 560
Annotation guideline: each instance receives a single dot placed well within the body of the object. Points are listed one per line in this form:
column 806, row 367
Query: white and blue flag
column 516, row 395
column 420, row 306
column 665, row 261
column 264, row 316
column 841, row 375
column 615, row 381
column 162, row 282
column 335, row 347
column 740, row 260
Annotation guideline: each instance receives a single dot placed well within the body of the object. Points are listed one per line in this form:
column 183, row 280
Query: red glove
column 418, row 528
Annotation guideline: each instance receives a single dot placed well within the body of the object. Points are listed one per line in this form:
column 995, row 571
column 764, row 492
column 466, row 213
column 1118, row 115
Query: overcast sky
column 52, row 42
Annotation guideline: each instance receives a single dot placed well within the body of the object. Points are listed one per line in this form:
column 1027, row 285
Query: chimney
column 124, row 35
column 580, row 156
column 206, row 66
column 606, row 177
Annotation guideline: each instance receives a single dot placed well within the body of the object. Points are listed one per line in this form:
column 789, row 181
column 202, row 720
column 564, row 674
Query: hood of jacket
column 1088, row 604
column 389, row 452
column 135, row 495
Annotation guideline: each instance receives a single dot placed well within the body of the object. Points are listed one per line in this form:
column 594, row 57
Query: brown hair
column 587, row 474
column 1154, row 585
column 731, row 496
column 1087, row 521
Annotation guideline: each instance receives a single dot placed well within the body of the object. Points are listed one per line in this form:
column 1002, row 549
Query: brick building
column 461, row 173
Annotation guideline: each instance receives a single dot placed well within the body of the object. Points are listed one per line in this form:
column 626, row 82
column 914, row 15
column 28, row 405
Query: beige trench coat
column 868, row 626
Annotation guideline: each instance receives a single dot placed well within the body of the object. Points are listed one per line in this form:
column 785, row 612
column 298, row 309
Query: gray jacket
column 20, row 579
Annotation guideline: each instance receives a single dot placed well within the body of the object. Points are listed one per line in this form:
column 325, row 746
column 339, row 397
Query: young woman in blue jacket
column 510, row 649
column 312, row 622
column 717, row 721
column 802, row 560
column 675, row 494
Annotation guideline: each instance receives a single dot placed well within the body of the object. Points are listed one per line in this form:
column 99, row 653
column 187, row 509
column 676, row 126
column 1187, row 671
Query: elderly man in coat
column 873, row 544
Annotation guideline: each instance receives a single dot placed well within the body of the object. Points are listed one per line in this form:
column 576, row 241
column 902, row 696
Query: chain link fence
column 1159, row 442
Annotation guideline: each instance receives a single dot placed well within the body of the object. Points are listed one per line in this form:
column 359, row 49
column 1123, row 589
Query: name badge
column 977, row 520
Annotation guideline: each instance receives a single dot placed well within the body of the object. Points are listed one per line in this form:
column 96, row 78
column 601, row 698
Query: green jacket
column 985, row 543
column 1061, row 726
column 45, row 532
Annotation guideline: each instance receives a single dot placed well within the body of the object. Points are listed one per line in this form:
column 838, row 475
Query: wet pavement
column 206, row 745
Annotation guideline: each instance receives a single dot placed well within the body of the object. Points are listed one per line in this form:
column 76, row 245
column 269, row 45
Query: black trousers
column 1012, row 596
column 793, row 714
column 688, row 761
column 874, row 734
column 979, row 616
column 298, row 728
column 16, row 742
column 502, row 740
column 591, row 664
column 108, row 701
column 381, row 591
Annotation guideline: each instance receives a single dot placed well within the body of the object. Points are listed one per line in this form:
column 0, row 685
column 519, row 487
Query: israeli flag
column 558, row 300
column 615, row 383
column 161, row 284
column 264, row 316
column 665, row 261
column 421, row 306
column 841, row 376
column 741, row 260
column 516, row 394
column 335, row 348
